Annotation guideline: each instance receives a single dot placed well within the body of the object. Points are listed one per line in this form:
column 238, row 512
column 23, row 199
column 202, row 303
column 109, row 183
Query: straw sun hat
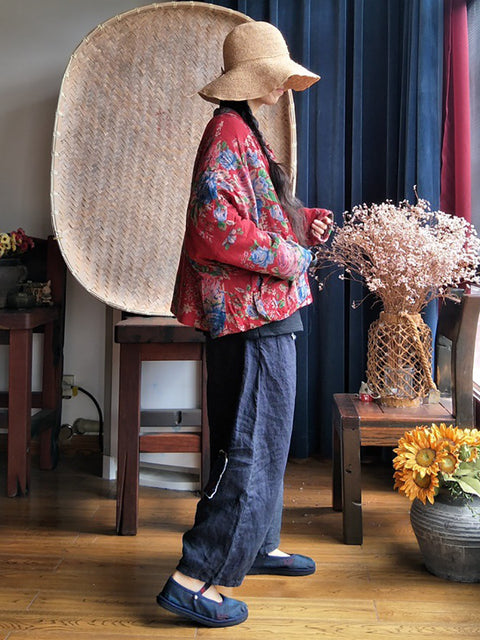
column 256, row 61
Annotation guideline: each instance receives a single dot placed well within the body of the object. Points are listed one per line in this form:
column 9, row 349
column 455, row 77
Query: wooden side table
column 357, row 424
column 19, row 325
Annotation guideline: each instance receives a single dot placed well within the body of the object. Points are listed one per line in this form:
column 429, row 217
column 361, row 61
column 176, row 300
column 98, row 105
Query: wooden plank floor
column 66, row 575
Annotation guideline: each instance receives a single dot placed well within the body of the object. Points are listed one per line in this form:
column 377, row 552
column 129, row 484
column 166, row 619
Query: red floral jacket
column 241, row 265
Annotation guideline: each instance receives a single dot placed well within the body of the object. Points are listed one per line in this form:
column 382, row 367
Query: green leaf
column 470, row 485
column 473, row 465
column 460, row 473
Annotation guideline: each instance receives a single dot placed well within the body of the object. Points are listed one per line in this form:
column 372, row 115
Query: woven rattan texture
column 399, row 359
column 127, row 127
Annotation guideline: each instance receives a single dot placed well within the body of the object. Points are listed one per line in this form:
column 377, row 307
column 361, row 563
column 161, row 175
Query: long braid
column 281, row 182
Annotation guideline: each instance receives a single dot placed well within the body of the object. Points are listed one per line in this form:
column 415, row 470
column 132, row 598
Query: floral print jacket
column 241, row 265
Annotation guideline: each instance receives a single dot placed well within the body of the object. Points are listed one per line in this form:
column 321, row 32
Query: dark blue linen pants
column 251, row 397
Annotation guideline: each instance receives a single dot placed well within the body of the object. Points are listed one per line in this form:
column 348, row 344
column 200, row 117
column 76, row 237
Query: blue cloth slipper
column 195, row 606
column 292, row 565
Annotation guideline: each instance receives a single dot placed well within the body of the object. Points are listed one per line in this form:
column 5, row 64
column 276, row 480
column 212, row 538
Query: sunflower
column 472, row 437
column 5, row 241
column 449, row 463
column 414, row 485
column 419, row 451
column 463, row 443
column 398, row 476
column 450, row 436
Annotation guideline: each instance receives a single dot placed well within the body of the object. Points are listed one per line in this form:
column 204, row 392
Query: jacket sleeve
column 221, row 225
column 310, row 216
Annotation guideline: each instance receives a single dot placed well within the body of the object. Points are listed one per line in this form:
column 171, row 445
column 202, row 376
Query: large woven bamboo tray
column 127, row 127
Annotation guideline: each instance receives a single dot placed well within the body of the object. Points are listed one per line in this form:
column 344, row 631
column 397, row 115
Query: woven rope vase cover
column 399, row 359
column 127, row 128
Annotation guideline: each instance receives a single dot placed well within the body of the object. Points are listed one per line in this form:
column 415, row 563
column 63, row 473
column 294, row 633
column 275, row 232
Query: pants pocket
column 216, row 474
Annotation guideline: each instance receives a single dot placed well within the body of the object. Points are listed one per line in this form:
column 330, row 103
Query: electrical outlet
column 68, row 382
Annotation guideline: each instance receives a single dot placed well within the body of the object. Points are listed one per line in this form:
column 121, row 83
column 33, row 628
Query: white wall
column 37, row 38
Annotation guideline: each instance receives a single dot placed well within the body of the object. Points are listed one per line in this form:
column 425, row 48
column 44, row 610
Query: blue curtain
column 369, row 130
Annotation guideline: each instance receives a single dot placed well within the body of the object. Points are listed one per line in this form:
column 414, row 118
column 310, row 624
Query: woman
column 242, row 279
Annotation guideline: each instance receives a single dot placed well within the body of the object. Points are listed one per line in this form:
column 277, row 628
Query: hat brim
column 256, row 78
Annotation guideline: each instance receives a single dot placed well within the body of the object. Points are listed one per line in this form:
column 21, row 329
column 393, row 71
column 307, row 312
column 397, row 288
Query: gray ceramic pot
column 448, row 533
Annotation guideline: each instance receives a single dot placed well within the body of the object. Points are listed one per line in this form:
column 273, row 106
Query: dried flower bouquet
column 405, row 254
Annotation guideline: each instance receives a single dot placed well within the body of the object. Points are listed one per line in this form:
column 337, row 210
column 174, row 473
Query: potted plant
column 406, row 255
column 12, row 272
column 438, row 468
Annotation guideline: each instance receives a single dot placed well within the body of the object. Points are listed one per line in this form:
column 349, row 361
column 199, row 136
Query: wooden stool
column 154, row 339
column 357, row 424
column 44, row 263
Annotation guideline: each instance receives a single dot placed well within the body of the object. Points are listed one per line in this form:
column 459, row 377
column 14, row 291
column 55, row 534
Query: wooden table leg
column 337, row 463
column 51, row 396
column 19, row 412
column 351, row 485
column 128, row 439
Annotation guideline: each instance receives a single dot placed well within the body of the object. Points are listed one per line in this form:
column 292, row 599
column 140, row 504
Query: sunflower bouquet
column 431, row 457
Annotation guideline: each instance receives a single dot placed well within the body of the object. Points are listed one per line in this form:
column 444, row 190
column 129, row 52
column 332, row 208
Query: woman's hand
column 321, row 227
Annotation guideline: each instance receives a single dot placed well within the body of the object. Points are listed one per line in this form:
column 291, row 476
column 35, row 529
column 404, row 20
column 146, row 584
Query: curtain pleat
column 473, row 8
column 456, row 173
column 368, row 131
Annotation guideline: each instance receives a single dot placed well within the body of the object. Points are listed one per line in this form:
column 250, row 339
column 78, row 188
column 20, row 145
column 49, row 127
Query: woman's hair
column 281, row 182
